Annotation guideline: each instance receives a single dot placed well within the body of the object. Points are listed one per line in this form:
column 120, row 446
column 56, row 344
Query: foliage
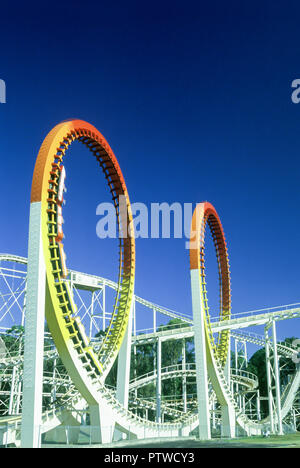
column 257, row 365
column 13, row 339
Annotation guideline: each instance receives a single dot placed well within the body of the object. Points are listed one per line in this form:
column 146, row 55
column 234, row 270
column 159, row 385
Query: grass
column 284, row 441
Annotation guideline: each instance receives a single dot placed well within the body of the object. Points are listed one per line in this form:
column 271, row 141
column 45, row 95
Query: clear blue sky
column 195, row 100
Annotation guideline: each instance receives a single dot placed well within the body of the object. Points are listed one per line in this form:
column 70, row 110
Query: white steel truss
column 92, row 297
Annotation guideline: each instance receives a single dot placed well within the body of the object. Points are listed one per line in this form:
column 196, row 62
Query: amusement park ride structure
column 43, row 287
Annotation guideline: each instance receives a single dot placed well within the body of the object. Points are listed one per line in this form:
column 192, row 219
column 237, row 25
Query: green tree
column 257, row 365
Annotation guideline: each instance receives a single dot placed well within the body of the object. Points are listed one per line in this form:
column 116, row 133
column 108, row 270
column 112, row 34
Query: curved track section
column 216, row 354
column 206, row 215
column 84, row 365
column 247, row 379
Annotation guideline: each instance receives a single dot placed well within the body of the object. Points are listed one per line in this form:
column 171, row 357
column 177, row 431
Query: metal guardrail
column 267, row 310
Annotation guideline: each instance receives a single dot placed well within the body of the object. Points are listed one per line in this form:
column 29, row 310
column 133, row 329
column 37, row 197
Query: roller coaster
column 92, row 332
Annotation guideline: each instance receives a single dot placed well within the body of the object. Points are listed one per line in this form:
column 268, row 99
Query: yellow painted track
column 85, row 366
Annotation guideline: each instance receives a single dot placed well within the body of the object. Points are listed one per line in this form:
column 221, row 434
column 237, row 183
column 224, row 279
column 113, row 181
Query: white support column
column 277, row 379
column 228, row 422
column 236, row 358
column 24, row 307
column 134, row 316
column 200, row 355
column 13, row 390
column 123, row 373
column 214, row 412
column 227, row 370
column 245, row 354
column 53, row 388
column 154, row 320
column 92, row 315
column 19, row 370
column 134, row 334
column 236, row 354
column 184, row 395
column 228, row 426
column 103, row 307
column 269, row 379
column 154, row 345
column 124, row 361
column 158, row 381
column 34, row 334
column 258, row 405
column 294, row 419
column 19, row 393
column 102, row 424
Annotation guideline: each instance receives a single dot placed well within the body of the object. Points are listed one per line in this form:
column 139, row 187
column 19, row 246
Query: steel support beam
column 34, row 334
column 184, row 393
column 269, row 380
column 124, row 361
column 200, row 356
column 158, row 381
column 277, row 379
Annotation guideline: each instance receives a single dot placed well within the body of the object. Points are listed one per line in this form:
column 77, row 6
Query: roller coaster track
column 247, row 379
column 72, row 403
column 142, row 403
column 205, row 345
column 53, row 417
column 259, row 340
column 89, row 365
column 10, row 426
